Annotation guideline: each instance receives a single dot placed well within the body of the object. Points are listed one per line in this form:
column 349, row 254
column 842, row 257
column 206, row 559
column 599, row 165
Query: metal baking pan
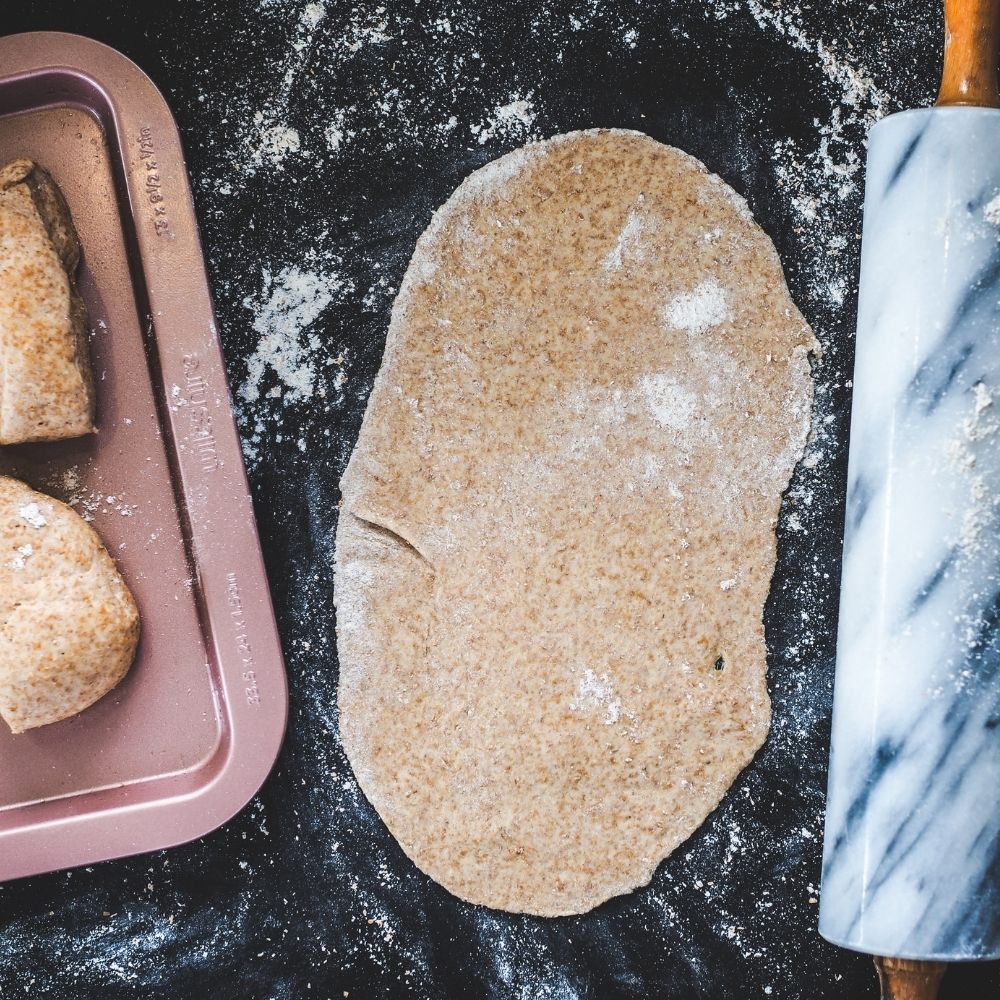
column 191, row 733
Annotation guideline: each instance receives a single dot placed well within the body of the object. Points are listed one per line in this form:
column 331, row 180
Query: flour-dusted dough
column 558, row 526
column 46, row 387
column 68, row 624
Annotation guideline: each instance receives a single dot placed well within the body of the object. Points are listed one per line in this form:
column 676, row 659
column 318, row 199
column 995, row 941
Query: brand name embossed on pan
column 200, row 434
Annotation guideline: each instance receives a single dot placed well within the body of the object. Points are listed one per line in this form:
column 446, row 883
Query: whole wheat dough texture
column 68, row 624
column 46, row 387
column 558, row 526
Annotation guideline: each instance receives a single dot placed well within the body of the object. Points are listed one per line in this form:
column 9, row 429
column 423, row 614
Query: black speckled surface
column 304, row 893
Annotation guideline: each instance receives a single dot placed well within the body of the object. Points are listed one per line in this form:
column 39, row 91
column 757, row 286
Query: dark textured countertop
column 320, row 137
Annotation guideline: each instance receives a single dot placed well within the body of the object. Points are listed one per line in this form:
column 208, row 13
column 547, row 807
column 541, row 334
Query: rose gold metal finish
column 192, row 732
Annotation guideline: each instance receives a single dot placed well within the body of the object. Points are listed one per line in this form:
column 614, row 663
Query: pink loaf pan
column 191, row 733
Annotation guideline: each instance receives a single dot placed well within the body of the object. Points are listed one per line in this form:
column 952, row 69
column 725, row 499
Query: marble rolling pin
column 911, row 867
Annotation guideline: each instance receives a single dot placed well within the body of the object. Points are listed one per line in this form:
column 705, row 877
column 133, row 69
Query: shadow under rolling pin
column 911, row 865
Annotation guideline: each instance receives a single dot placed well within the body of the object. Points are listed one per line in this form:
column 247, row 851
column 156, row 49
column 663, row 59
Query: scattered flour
column 32, row 514
column 295, row 366
column 370, row 27
column 983, row 398
column 629, row 245
column 669, row 402
column 24, row 553
column 289, row 304
column 272, row 140
column 276, row 142
column 979, row 514
column 90, row 504
column 856, row 86
column 511, row 120
column 337, row 132
column 597, row 694
column 992, row 211
column 67, row 483
column 699, row 310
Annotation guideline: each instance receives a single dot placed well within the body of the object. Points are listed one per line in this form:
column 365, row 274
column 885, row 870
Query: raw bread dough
column 558, row 526
column 68, row 624
column 46, row 387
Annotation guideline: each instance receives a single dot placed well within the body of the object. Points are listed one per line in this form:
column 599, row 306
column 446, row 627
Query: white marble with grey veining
column 912, row 853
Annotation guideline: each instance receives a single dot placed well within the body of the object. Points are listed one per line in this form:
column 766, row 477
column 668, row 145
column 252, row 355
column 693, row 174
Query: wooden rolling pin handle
column 971, row 30
column 905, row 979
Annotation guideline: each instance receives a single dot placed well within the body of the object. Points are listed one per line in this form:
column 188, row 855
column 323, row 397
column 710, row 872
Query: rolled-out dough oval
column 558, row 525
